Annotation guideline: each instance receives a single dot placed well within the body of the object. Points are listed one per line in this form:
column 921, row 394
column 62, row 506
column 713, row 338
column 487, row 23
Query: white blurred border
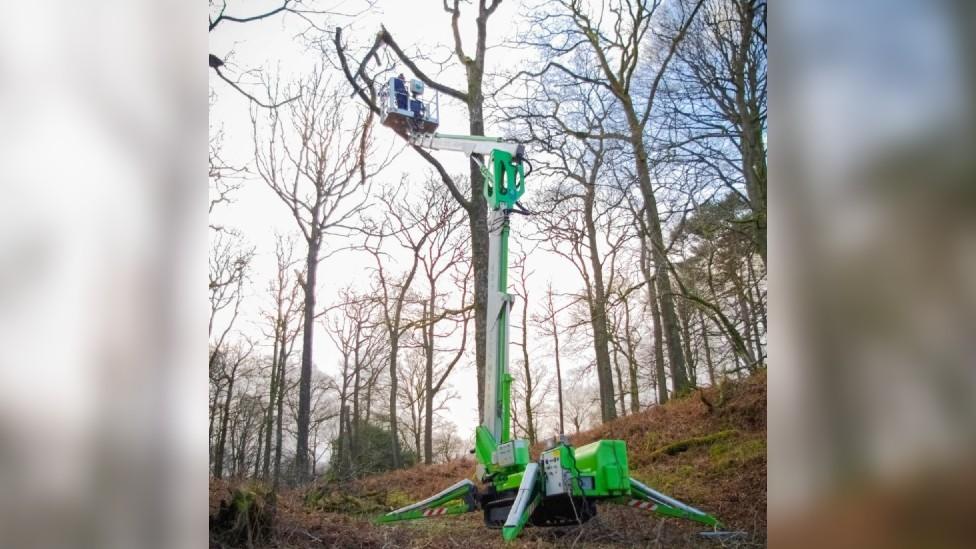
column 103, row 137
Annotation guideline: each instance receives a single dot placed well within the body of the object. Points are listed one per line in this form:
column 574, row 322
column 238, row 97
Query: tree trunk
column 686, row 339
column 341, row 448
column 559, row 386
column 620, row 381
column 530, row 422
column 478, row 224
column 669, row 319
column 224, row 420
column 354, row 423
column 754, row 287
column 272, row 394
column 393, row 329
column 369, row 402
column 305, row 379
column 258, row 453
column 394, row 435
column 756, row 308
column 631, row 362
column 418, row 425
column 598, row 313
column 708, row 351
column 350, row 457
column 214, row 414
column 745, row 312
column 559, row 374
column 282, row 383
column 662, row 381
column 429, row 381
column 751, row 138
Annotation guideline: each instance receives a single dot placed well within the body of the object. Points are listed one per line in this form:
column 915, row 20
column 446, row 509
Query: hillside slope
column 708, row 449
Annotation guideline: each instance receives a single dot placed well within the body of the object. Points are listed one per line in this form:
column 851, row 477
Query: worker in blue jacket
column 400, row 90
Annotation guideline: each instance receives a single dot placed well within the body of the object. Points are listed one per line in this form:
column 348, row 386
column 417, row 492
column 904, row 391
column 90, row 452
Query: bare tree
column 228, row 265
column 624, row 335
column 717, row 103
column 314, row 156
column 228, row 361
column 218, row 15
column 608, row 50
column 356, row 329
column 229, row 262
column 225, row 179
column 443, row 254
column 473, row 97
column 528, row 388
column 287, row 309
column 577, row 223
column 447, row 444
column 403, row 222
column 582, row 403
column 548, row 323
column 419, row 406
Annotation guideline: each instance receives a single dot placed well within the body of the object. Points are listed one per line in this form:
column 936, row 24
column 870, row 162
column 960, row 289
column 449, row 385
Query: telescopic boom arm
column 470, row 144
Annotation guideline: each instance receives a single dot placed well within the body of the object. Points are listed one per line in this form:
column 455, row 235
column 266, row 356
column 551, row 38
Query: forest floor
column 707, row 450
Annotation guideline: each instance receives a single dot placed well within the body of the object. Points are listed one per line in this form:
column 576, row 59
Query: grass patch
column 335, row 501
column 397, row 499
column 688, row 443
column 731, row 452
column 666, row 479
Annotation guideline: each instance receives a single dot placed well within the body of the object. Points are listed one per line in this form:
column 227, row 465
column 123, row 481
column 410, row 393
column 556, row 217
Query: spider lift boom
column 563, row 485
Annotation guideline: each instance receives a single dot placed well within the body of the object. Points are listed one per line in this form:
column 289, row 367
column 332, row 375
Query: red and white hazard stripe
column 435, row 512
column 642, row 504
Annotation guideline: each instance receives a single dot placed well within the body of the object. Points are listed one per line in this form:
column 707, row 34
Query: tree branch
column 387, row 39
column 223, row 17
column 247, row 95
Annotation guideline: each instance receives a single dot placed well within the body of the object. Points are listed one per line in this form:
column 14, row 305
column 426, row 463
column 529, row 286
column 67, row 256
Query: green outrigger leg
column 455, row 500
column 645, row 497
column 526, row 500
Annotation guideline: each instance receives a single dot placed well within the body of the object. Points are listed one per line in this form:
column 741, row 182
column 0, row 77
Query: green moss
column 340, row 502
column 736, row 450
column 666, row 478
column 688, row 443
column 649, row 442
column 246, row 519
column 397, row 499
column 242, row 500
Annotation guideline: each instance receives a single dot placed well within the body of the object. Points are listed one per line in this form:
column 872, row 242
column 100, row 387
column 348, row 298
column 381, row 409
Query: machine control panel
column 511, row 453
column 557, row 479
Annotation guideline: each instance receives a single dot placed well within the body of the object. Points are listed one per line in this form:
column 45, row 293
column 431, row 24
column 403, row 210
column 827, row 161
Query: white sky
column 274, row 46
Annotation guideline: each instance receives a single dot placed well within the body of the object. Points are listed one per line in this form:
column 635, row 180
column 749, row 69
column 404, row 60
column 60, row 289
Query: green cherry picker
column 563, row 486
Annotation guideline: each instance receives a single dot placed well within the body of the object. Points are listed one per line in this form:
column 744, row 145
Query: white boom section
column 527, row 489
column 499, row 303
column 470, row 144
